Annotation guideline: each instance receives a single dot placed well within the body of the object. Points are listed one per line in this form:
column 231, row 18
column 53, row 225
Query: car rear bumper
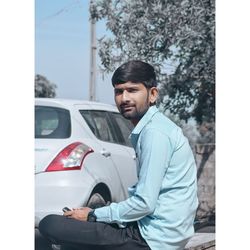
column 55, row 190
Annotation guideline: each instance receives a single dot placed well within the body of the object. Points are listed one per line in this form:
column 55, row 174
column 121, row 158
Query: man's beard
column 131, row 112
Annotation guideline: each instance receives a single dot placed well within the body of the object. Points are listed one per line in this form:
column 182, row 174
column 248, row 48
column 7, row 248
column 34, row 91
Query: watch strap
column 91, row 216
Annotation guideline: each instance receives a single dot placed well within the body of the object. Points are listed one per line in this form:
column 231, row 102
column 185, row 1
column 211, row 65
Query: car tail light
column 70, row 158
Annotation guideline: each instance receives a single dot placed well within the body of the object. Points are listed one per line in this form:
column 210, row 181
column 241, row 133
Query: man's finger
column 68, row 213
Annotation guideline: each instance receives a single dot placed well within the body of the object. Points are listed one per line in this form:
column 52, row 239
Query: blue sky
column 62, row 48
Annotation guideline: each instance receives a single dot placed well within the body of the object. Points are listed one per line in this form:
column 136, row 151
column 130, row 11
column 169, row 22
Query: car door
column 123, row 129
column 105, row 129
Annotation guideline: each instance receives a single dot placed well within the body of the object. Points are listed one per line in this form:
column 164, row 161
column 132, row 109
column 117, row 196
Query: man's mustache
column 127, row 105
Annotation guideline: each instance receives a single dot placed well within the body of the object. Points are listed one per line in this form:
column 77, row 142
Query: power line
column 61, row 11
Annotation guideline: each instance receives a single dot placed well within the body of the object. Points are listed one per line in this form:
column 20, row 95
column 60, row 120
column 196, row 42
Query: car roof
column 63, row 102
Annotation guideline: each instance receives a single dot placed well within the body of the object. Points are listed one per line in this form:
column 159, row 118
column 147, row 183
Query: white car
column 82, row 155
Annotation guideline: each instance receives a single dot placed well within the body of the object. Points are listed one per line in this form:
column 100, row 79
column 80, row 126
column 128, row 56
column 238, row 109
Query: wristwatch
column 91, row 216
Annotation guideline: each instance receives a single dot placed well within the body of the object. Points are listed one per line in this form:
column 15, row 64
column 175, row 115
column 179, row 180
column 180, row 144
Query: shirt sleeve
column 155, row 151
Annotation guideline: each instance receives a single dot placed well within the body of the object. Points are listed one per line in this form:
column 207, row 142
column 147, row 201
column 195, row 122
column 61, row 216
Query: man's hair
column 137, row 72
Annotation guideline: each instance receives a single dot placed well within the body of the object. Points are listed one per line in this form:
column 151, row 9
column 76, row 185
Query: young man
column 160, row 211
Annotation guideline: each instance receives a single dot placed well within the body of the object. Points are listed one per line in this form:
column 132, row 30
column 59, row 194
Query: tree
column 43, row 87
column 177, row 37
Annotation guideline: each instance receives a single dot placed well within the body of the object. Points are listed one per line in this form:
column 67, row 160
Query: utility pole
column 92, row 82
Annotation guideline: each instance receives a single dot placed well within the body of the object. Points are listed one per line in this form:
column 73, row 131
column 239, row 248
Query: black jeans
column 75, row 234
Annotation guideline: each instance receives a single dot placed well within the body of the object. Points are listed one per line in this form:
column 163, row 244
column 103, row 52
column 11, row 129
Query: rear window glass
column 99, row 124
column 51, row 122
column 108, row 126
column 124, row 128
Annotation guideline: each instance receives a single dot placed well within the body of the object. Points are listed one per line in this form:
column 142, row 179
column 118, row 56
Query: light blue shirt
column 164, row 200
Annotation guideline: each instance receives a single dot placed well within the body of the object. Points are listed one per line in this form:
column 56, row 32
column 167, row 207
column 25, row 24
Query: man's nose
column 125, row 96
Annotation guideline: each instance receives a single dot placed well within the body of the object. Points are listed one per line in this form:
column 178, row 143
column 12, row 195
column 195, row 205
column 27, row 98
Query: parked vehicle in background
column 83, row 156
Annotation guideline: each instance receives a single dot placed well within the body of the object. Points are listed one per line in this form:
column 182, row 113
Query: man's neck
column 135, row 121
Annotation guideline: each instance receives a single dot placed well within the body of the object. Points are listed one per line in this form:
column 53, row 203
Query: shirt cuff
column 103, row 215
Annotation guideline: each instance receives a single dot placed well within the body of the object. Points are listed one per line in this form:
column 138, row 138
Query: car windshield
column 52, row 122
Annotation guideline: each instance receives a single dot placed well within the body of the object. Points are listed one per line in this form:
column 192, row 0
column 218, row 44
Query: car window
column 99, row 123
column 52, row 122
column 123, row 128
column 88, row 118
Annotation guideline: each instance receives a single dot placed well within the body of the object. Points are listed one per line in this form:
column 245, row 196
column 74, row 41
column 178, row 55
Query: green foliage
column 44, row 88
column 177, row 37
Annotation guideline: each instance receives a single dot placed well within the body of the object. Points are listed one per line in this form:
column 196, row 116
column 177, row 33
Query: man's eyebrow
column 133, row 87
column 118, row 90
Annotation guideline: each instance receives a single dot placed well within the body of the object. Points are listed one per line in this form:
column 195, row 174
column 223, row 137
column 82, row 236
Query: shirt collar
column 144, row 120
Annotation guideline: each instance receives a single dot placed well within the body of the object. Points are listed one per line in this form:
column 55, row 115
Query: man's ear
column 153, row 94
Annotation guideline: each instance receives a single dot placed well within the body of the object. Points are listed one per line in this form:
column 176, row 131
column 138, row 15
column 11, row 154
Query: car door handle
column 105, row 153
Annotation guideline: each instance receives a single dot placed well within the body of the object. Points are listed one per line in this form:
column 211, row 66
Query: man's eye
column 118, row 91
column 132, row 90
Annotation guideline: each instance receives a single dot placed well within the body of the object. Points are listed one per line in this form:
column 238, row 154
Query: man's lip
column 126, row 108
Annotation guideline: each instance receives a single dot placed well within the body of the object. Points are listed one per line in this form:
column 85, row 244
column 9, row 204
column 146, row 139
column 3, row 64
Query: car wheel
column 96, row 200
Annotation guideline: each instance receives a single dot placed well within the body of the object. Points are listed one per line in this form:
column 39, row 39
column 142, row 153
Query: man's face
column 134, row 99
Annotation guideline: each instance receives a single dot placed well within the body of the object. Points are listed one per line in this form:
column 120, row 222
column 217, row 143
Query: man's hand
column 78, row 213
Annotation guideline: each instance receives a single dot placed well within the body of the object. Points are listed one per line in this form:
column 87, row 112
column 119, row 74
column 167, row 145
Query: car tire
column 96, row 200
